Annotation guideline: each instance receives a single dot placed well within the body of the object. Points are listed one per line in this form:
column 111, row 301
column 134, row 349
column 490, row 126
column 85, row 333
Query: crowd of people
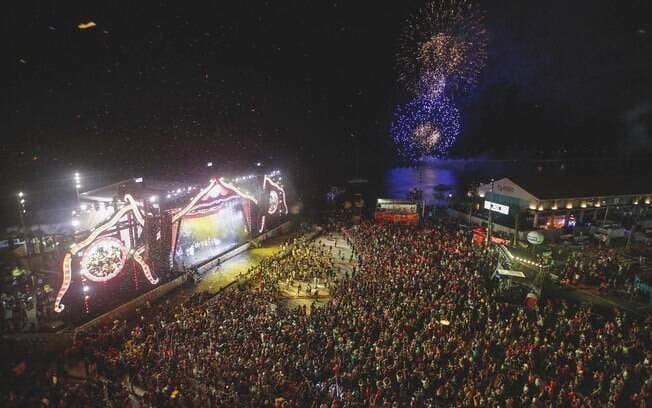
column 595, row 269
column 22, row 306
column 416, row 325
column 604, row 270
column 304, row 267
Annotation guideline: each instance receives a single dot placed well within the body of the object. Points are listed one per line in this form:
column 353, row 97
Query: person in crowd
column 416, row 325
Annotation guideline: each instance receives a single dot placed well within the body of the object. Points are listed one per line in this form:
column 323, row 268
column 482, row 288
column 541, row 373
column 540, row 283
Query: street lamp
column 21, row 213
column 77, row 185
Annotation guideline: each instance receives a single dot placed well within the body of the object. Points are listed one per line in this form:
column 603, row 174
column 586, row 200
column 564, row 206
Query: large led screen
column 209, row 233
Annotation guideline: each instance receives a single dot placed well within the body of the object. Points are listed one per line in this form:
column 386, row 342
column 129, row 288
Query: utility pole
column 490, row 226
column 628, row 246
column 517, row 214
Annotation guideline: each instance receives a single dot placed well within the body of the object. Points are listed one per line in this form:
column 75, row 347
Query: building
column 562, row 201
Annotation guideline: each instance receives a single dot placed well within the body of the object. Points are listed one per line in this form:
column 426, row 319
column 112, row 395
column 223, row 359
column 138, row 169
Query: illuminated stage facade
column 149, row 235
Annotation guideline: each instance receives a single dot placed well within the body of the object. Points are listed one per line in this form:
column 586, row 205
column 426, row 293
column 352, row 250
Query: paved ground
column 228, row 271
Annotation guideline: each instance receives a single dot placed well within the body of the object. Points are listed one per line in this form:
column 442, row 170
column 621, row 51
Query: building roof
column 559, row 184
column 543, row 181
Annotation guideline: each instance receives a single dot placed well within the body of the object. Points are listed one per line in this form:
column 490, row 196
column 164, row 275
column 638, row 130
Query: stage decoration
column 218, row 218
column 273, row 202
column 177, row 216
column 96, row 246
column 215, row 219
column 139, row 259
column 262, row 224
column 239, row 192
column 280, row 191
column 103, row 259
column 74, row 248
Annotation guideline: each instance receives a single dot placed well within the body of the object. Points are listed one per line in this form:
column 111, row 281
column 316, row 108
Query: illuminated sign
column 495, row 207
column 535, row 237
column 396, row 206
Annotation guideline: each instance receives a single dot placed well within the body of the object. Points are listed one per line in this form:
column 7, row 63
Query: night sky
column 161, row 88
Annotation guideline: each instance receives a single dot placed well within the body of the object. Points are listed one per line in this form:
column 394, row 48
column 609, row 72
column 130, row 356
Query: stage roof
column 136, row 186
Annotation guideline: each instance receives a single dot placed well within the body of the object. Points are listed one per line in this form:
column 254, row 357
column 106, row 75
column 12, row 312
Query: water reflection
column 401, row 180
column 460, row 174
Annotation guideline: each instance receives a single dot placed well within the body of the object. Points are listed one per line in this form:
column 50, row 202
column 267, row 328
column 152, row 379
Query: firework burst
column 427, row 126
column 445, row 40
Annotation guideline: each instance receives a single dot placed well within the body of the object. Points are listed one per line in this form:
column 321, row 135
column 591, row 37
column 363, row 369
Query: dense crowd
column 416, row 325
column 305, row 264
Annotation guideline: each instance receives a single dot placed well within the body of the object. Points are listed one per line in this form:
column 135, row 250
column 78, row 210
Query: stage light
column 20, row 194
column 83, row 207
column 22, row 201
column 153, row 199
column 74, row 213
column 259, row 164
column 75, row 222
column 86, row 288
column 209, row 164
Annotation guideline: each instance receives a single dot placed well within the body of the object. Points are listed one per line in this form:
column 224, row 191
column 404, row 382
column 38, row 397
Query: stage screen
column 206, row 234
